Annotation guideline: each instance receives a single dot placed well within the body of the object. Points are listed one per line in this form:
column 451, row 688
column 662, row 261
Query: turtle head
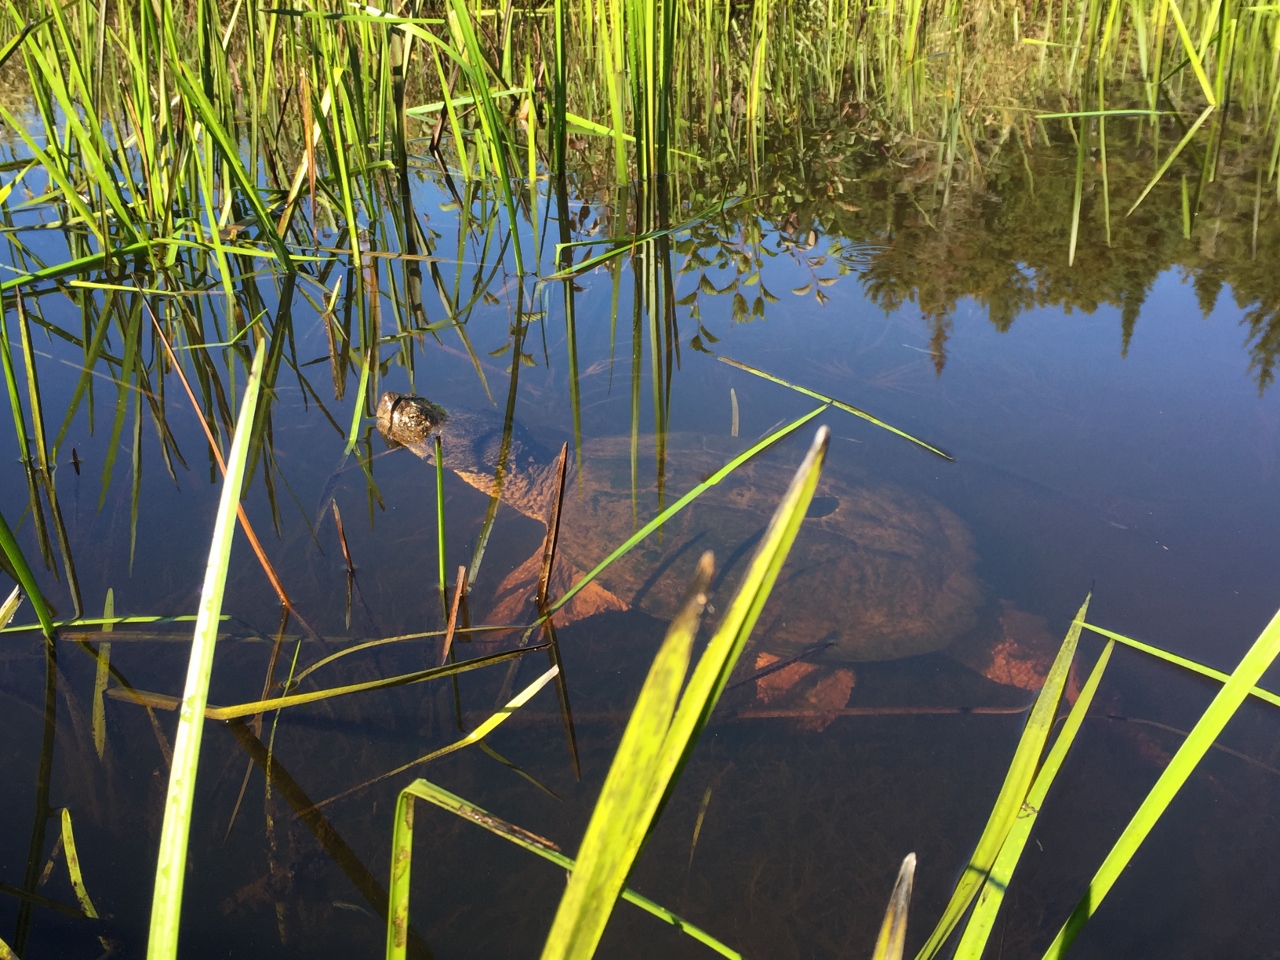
column 404, row 419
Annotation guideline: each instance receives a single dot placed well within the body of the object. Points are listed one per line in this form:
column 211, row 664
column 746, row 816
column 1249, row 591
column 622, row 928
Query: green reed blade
column 402, row 849
column 657, row 743
column 203, row 109
column 1102, row 113
column 1013, row 792
column 440, row 542
column 893, row 931
column 657, row 522
column 1198, row 742
column 619, row 822
column 838, row 404
column 1192, row 54
column 89, row 363
column 982, row 921
column 382, row 641
column 725, row 647
column 1076, row 197
column 171, row 861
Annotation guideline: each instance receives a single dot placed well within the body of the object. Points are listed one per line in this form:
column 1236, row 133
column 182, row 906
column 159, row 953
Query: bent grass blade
column 171, row 863
column 1173, row 155
column 1013, row 793
column 26, row 580
column 1224, row 706
column 402, row 849
column 838, row 404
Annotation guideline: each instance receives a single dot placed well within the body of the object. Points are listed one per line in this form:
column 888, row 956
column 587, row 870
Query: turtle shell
column 876, row 572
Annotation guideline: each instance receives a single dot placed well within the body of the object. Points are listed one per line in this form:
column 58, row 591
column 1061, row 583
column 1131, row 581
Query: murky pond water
column 1113, row 429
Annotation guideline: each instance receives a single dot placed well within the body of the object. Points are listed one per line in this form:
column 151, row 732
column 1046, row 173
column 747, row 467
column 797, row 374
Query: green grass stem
column 171, row 861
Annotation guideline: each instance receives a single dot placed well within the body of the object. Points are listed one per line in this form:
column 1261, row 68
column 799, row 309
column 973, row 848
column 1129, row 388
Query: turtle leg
column 1016, row 649
column 514, row 600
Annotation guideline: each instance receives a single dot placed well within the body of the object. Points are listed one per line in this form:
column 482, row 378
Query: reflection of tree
column 1002, row 243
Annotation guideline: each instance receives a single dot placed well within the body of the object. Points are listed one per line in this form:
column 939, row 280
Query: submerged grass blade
column 171, row 863
column 1224, row 706
column 73, row 866
column 164, row 702
column 102, row 672
column 1013, row 792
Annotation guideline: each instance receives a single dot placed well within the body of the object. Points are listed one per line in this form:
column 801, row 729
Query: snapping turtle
column 876, row 573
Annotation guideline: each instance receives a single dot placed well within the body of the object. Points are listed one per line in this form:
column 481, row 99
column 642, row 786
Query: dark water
column 1112, row 427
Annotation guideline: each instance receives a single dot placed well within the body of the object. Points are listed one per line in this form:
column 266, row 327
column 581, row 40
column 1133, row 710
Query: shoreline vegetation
column 188, row 174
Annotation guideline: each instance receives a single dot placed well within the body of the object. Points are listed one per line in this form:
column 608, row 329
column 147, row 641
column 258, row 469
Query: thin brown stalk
column 342, row 538
column 222, row 468
column 552, row 538
column 458, row 592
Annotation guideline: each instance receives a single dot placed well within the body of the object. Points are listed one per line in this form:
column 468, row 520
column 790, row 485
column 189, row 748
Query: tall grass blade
column 171, row 864
column 1013, row 792
column 662, row 731
column 982, row 921
column 620, row 820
